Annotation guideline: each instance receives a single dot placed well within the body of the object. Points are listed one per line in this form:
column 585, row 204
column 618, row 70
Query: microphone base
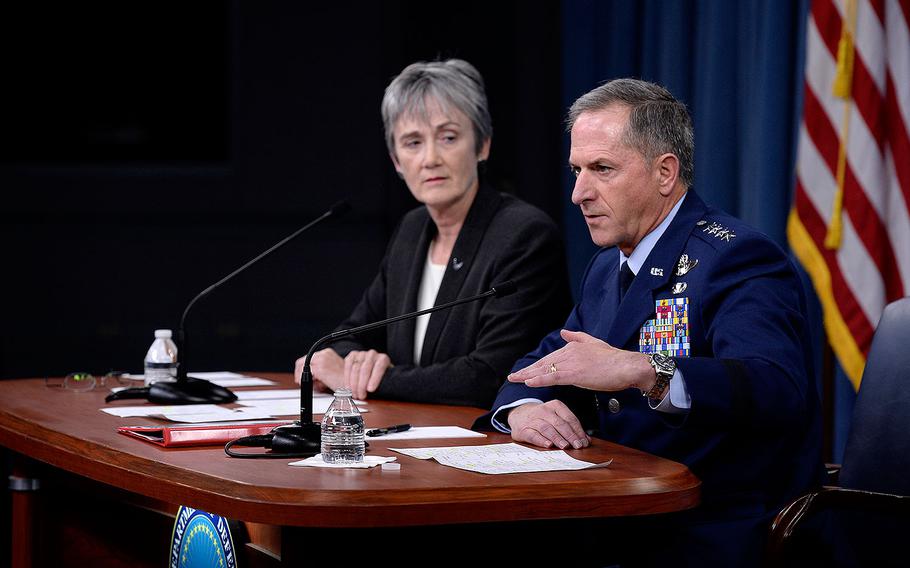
column 189, row 391
column 300, row 439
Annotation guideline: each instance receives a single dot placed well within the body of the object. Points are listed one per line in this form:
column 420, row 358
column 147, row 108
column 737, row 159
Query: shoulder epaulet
column 715, row 229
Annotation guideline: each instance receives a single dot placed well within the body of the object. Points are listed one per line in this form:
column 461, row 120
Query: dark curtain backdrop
column 738, row 66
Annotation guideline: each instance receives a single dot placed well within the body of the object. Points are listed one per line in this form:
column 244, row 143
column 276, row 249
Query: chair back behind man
column 878, row 447
column 864, row 520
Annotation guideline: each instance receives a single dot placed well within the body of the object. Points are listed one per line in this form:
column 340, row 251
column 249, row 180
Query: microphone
column 187, row 390
column 303, row 438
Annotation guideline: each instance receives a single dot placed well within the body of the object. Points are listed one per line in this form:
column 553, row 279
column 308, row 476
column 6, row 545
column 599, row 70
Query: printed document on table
column 501, row 458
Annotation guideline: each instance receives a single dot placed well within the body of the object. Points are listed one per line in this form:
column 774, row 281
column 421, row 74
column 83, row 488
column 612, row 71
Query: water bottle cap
column 162, row 334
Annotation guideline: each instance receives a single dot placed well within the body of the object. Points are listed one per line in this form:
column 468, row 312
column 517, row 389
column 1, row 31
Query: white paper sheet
column 424, row 432
column 501, row 458
column 229, row 379
column 266, row 394
column 251, row 409
column 226, row 379
column 203, row 417
column 368, row 462
column 291, row 406
column 150, row 410
column 189, row 413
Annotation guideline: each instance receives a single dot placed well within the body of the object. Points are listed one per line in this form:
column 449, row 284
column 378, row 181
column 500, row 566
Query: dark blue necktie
column 625, row 278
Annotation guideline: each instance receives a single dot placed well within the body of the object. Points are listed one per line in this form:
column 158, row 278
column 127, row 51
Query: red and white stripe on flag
column 850, row 221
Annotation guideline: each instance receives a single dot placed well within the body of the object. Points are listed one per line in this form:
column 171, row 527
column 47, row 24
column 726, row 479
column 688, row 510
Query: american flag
column 850, row 221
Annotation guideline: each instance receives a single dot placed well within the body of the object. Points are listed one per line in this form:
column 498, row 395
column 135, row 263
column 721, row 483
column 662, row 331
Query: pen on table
column 388, row 430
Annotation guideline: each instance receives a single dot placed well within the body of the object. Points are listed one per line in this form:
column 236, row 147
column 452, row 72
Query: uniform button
column 613, row 406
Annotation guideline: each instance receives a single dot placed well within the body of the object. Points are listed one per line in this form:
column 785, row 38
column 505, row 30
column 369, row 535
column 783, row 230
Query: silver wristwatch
column 665, row 367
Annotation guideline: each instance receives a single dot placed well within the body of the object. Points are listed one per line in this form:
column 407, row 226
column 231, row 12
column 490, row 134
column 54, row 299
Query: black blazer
column 469, row 349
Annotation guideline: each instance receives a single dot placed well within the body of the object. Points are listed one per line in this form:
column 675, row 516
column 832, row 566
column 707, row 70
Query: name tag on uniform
column 668, row 333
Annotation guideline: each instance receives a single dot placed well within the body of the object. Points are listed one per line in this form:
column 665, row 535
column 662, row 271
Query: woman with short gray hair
column 464, row 238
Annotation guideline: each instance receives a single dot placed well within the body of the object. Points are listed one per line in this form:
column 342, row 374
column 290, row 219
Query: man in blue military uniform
column 689, row 340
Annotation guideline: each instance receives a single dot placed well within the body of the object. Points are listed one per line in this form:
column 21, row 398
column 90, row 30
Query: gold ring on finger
column 552, row 368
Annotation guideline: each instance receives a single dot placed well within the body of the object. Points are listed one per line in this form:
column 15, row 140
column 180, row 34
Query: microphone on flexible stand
column 187, row 390
column 303, row 438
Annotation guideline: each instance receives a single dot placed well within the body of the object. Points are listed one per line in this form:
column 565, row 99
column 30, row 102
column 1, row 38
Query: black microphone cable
column 268, row 441
column 260, row 441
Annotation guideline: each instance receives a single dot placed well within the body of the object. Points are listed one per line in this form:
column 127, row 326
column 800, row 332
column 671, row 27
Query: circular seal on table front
column 201, row 539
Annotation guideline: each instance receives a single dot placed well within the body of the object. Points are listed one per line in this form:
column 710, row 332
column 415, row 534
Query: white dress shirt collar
column 644, row 248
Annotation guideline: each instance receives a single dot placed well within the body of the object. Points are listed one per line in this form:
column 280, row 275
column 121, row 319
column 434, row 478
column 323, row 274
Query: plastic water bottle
column 342, row 430
column 161, row 359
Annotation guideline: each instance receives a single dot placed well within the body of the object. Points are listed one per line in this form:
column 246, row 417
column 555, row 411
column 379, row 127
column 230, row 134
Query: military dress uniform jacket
column 737, row 331
column 469, row 349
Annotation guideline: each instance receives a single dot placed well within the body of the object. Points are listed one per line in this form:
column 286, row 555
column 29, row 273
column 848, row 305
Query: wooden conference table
column 56, row 434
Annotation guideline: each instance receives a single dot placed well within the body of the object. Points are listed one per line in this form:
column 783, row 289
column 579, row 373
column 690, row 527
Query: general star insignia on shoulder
column 718, row 231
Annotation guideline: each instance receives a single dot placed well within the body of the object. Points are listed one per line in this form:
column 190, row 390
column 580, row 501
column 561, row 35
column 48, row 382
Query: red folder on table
column 197, row 434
